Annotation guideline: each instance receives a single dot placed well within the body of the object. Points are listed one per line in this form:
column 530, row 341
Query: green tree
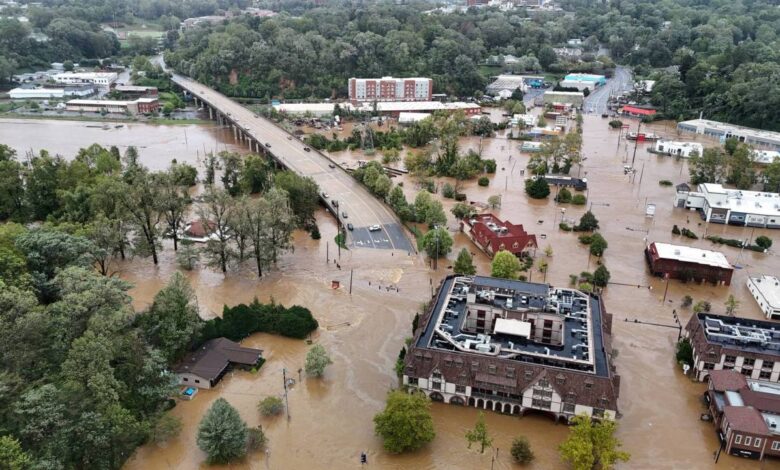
column 216, row 213
column 12, row 457
column 521, row 450
column 166, row 428
column 479, row 434
column 702, row 306
column 303, row 195
column 764, row 242
column 505, row 265
column 731, row 305
column 173, row 201
column 588, row 222
column 494, row 201
column 537, row 188
column 222, row 434
column 437, row 243
column 464, row 265
column 255, row 175
column 601, row 276
column 317, row 360
column 461, row 210
column 231, row 172
column 270, row 406
column 172, row 322
column 710, row 167
column 406, row 423
column 597, row 245
column 140, row 197
column 592, row 445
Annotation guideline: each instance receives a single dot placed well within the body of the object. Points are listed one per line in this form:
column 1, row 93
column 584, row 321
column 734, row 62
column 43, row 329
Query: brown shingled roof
column 209, row 360
column 745, row 419
column 727, row 380
column 761, row 401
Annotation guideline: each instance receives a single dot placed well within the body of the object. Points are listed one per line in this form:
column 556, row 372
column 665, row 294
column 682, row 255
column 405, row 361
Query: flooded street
column 331, row 418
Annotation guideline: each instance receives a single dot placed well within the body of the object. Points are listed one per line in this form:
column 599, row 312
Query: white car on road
column 374, row 228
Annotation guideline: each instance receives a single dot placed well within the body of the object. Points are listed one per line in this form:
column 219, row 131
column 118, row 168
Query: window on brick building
column 738, row 439
column 776, row 445
column 748, row 440
column 757, row 442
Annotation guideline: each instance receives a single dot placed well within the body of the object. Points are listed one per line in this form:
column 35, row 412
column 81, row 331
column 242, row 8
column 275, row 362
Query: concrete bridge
column 356, row 205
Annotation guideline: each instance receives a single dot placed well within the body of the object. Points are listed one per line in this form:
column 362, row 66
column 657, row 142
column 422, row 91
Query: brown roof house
column 204, row 367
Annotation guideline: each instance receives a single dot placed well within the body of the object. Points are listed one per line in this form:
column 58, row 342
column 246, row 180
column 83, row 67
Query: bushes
column 738, row 243
column 616, row 124
column 270, row 406
column 490, row 165
column 460, row 197
column 764, row 242
column 483, row 181
column 579, row 199
column 564, row 196
column 665, row 183
column 448, row 191
column 242, row 320
column 675, row 230
column 565, row 227
column 687, row 233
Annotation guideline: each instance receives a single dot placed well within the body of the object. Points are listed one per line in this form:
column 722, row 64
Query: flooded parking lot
column 331, row 418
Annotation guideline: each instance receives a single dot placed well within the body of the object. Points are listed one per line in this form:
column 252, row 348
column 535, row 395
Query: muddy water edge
column 331, row 418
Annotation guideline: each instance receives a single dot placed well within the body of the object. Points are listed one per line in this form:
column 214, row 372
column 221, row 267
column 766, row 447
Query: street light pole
column 286, row 402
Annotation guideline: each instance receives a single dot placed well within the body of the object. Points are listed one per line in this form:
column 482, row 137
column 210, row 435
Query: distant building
column 513, row 346
column 390, row 89
column 678, row 149
column 719, row 342
column 765, row 157
column 766, row 290
column 492, row 235
column 720, row 205
column 746, row 413
column 582, row 81
column 411, row 118
column 191, row 22
column 574, row 98
column 134, row 91
column 139, row 106
column 758, row 138
column 580, row 184
column 396, row 108
column 636, row 111
column 45, row 93
column 568, row 53
column 575, row 42
column 511, row 83
column 206, row 366
column 101, row 79
column 688, row 263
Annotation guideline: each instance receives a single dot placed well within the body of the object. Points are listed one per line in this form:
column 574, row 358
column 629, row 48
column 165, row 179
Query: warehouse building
column 758, row 138
column 688, row 263
column 139, row 106
column 48, row 93
column 720, row 205
column 513, row 346
column 766, row 290
column 101, row 79
column 574, row 98
column 677, row 149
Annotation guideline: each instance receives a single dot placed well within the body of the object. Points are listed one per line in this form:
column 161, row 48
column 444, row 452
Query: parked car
column 374, row 228
column 350, row 227
column 344, row 214
column 332, row 165
column 268, row 145
column 335, row 202
column 307, row 149
column 325, row 195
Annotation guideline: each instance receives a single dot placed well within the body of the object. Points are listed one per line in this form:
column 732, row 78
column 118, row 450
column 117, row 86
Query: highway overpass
column 356, row 205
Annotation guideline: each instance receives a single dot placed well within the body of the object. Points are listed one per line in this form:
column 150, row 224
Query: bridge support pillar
column 211, row 112
column 235, row 132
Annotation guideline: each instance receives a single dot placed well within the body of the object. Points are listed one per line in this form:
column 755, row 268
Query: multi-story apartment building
column 513, row 346
column 390, row 89
column 746, row 413
column 750, row 347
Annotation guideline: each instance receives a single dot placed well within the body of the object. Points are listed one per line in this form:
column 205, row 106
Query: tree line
column 735, row 164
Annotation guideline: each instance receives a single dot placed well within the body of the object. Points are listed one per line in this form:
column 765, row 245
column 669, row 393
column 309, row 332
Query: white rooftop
column 769, row 288
column 740, row 200
column 412, row 106
column 764, row 386
column 86, row 75
column 692, row 255
column 772, row 422
column 564, row 93
column 765, row 157
column 732, row 128
column 734, row 398
column 412, row 117
column 512, row 327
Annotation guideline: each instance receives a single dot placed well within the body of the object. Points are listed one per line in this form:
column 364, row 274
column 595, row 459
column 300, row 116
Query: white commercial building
column 49, row 93
column 101, row 79
column 508, row 83
column 678, row 149
column 732, row 206
column 766, row 291
column 410, row 118
column 720, row 130
column 765, row 157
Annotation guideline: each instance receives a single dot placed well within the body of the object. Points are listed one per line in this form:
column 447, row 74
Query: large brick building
column 688, row 263
column 492, row 235
column 390, row 89
column 719, row 342
column 513, row 346
column 746, row 413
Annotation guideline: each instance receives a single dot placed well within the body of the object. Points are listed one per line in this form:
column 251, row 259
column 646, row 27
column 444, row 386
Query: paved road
column 361, row 207
column 596, row 102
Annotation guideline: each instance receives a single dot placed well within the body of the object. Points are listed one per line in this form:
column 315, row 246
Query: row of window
column 185, row 379
column 753, row 441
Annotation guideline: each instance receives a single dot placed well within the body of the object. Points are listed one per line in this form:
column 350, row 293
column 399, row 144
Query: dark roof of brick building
column 209, row 360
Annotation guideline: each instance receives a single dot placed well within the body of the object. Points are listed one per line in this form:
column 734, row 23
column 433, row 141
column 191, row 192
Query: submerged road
column 356, row 205
column 597, row 101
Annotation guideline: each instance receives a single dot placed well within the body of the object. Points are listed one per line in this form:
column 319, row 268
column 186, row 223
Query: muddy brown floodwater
column 331, row 418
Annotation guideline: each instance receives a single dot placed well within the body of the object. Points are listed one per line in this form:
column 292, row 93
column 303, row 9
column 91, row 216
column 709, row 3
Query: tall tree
column 505, row 265
column 592, row 445
column 464, row 264
column 406, row 423
column 479, row 434
column 222, row 434
column 172, row 204
column 216, row 213
column 140, row 197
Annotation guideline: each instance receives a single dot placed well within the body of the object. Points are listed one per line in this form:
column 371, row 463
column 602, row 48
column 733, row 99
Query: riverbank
column 58, row 117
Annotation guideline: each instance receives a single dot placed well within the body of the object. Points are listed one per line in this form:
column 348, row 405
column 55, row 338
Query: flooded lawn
column 331, row 418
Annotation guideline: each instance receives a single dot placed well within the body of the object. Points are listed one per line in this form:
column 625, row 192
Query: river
column 331, row 418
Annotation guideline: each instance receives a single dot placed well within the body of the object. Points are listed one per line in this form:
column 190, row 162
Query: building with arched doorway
column 513, row 347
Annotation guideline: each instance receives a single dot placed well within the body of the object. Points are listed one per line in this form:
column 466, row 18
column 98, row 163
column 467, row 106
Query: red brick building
column 746, row 414
column 687, row 263
column 492, row 235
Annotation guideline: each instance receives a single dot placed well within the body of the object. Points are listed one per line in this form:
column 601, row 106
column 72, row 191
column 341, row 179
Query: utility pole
column 350, row 281
column 327, row 252
column 286, row 403
column 636, row 143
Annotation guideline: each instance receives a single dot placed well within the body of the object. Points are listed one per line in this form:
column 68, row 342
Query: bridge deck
column 362, row 208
